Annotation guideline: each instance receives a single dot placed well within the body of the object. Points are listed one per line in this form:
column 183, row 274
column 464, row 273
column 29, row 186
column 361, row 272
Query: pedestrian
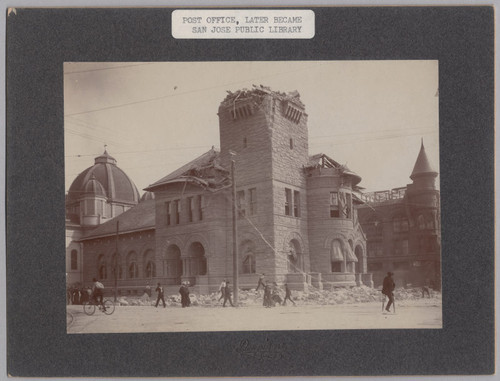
column 261, row 282
column 227, row 295
column 267, row 296
column 275, row 297
column 222, row 289
column 425, row 290
column 388, row 289
column 188, row 299
column 288, row 295
column 159, row 290
column 98, row 293
column 184, row 291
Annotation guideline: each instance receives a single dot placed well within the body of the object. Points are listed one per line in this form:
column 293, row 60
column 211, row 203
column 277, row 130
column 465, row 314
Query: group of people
column 78, row 295
column 272, row 293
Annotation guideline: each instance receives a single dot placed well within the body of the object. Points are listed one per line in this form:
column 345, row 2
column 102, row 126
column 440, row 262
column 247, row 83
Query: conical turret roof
column 422, row 166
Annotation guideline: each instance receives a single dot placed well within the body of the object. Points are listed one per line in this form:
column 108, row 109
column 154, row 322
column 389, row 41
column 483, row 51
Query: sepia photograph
column 252, row 196
column 250, row 192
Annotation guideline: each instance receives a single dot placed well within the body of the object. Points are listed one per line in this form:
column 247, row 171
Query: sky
column 155, row 117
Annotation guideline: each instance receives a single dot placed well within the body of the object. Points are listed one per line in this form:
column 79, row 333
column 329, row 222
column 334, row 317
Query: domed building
column 98, row 194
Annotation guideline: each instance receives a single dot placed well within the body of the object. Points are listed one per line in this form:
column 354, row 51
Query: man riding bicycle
column 97, row 293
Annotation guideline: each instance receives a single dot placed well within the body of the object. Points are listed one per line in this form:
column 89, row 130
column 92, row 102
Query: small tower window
column 291, row 143
column 244, row 142
column 288, row 202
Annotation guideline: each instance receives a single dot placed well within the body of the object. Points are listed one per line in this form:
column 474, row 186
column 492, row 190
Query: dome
column 104, row 177
column 147, row 196
column 94, row 188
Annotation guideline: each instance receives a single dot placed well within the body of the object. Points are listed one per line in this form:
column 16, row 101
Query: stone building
column 98, row 194
column 403, row 229
column 297, row 216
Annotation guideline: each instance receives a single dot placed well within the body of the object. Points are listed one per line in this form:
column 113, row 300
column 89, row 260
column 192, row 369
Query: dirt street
column 423, row 313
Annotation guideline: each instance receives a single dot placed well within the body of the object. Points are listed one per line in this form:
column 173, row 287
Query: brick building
column 296, row 214
column 403, row 230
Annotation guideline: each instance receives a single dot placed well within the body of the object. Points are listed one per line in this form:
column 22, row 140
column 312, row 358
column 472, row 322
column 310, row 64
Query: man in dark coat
column 388, row 290
column 159, row 290
column 227, row 295
column 267, row 295
column 184, row 291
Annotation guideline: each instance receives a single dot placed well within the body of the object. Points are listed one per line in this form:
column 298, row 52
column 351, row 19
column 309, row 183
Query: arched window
column 132, row 267
column 133, row 270
column 336, row 257
column 101, row 267
column 249, row 264
column 74, row 260
column 150, row 269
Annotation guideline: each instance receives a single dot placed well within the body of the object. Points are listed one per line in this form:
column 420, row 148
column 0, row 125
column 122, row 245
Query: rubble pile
column 340, row 295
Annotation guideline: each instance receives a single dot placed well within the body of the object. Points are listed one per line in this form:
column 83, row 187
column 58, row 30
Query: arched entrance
column 295, row 261
column 172, row 265
column 247, row 255
column 198, row 262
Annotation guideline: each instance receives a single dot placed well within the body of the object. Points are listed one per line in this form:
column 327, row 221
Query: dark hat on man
column 94, row 280
column 390, row 274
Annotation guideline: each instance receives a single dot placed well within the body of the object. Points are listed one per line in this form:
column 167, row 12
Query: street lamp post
column 235, row 234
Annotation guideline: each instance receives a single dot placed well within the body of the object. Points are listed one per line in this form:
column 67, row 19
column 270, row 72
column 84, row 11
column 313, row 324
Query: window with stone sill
column 190, row 209
column 177, row 211
column 248, row 266
column 288, row 202
column 253, row 200
column 200, row 207
column 334, row 205
column 168, row 216
column 296, row 204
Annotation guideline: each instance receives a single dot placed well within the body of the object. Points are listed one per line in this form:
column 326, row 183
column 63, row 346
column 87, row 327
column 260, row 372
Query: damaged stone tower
column 265, row 132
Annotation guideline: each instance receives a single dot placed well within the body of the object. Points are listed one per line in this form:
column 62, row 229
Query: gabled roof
column 140, row 217
column 422, row 165
column 204, row 170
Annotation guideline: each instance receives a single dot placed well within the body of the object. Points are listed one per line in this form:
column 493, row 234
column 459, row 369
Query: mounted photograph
column 252, row 196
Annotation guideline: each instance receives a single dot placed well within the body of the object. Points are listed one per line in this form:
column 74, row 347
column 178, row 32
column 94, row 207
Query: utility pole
column 115, row 264
column 235, row 234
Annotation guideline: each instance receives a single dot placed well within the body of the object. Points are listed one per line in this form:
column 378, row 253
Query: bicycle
column 90, row 307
